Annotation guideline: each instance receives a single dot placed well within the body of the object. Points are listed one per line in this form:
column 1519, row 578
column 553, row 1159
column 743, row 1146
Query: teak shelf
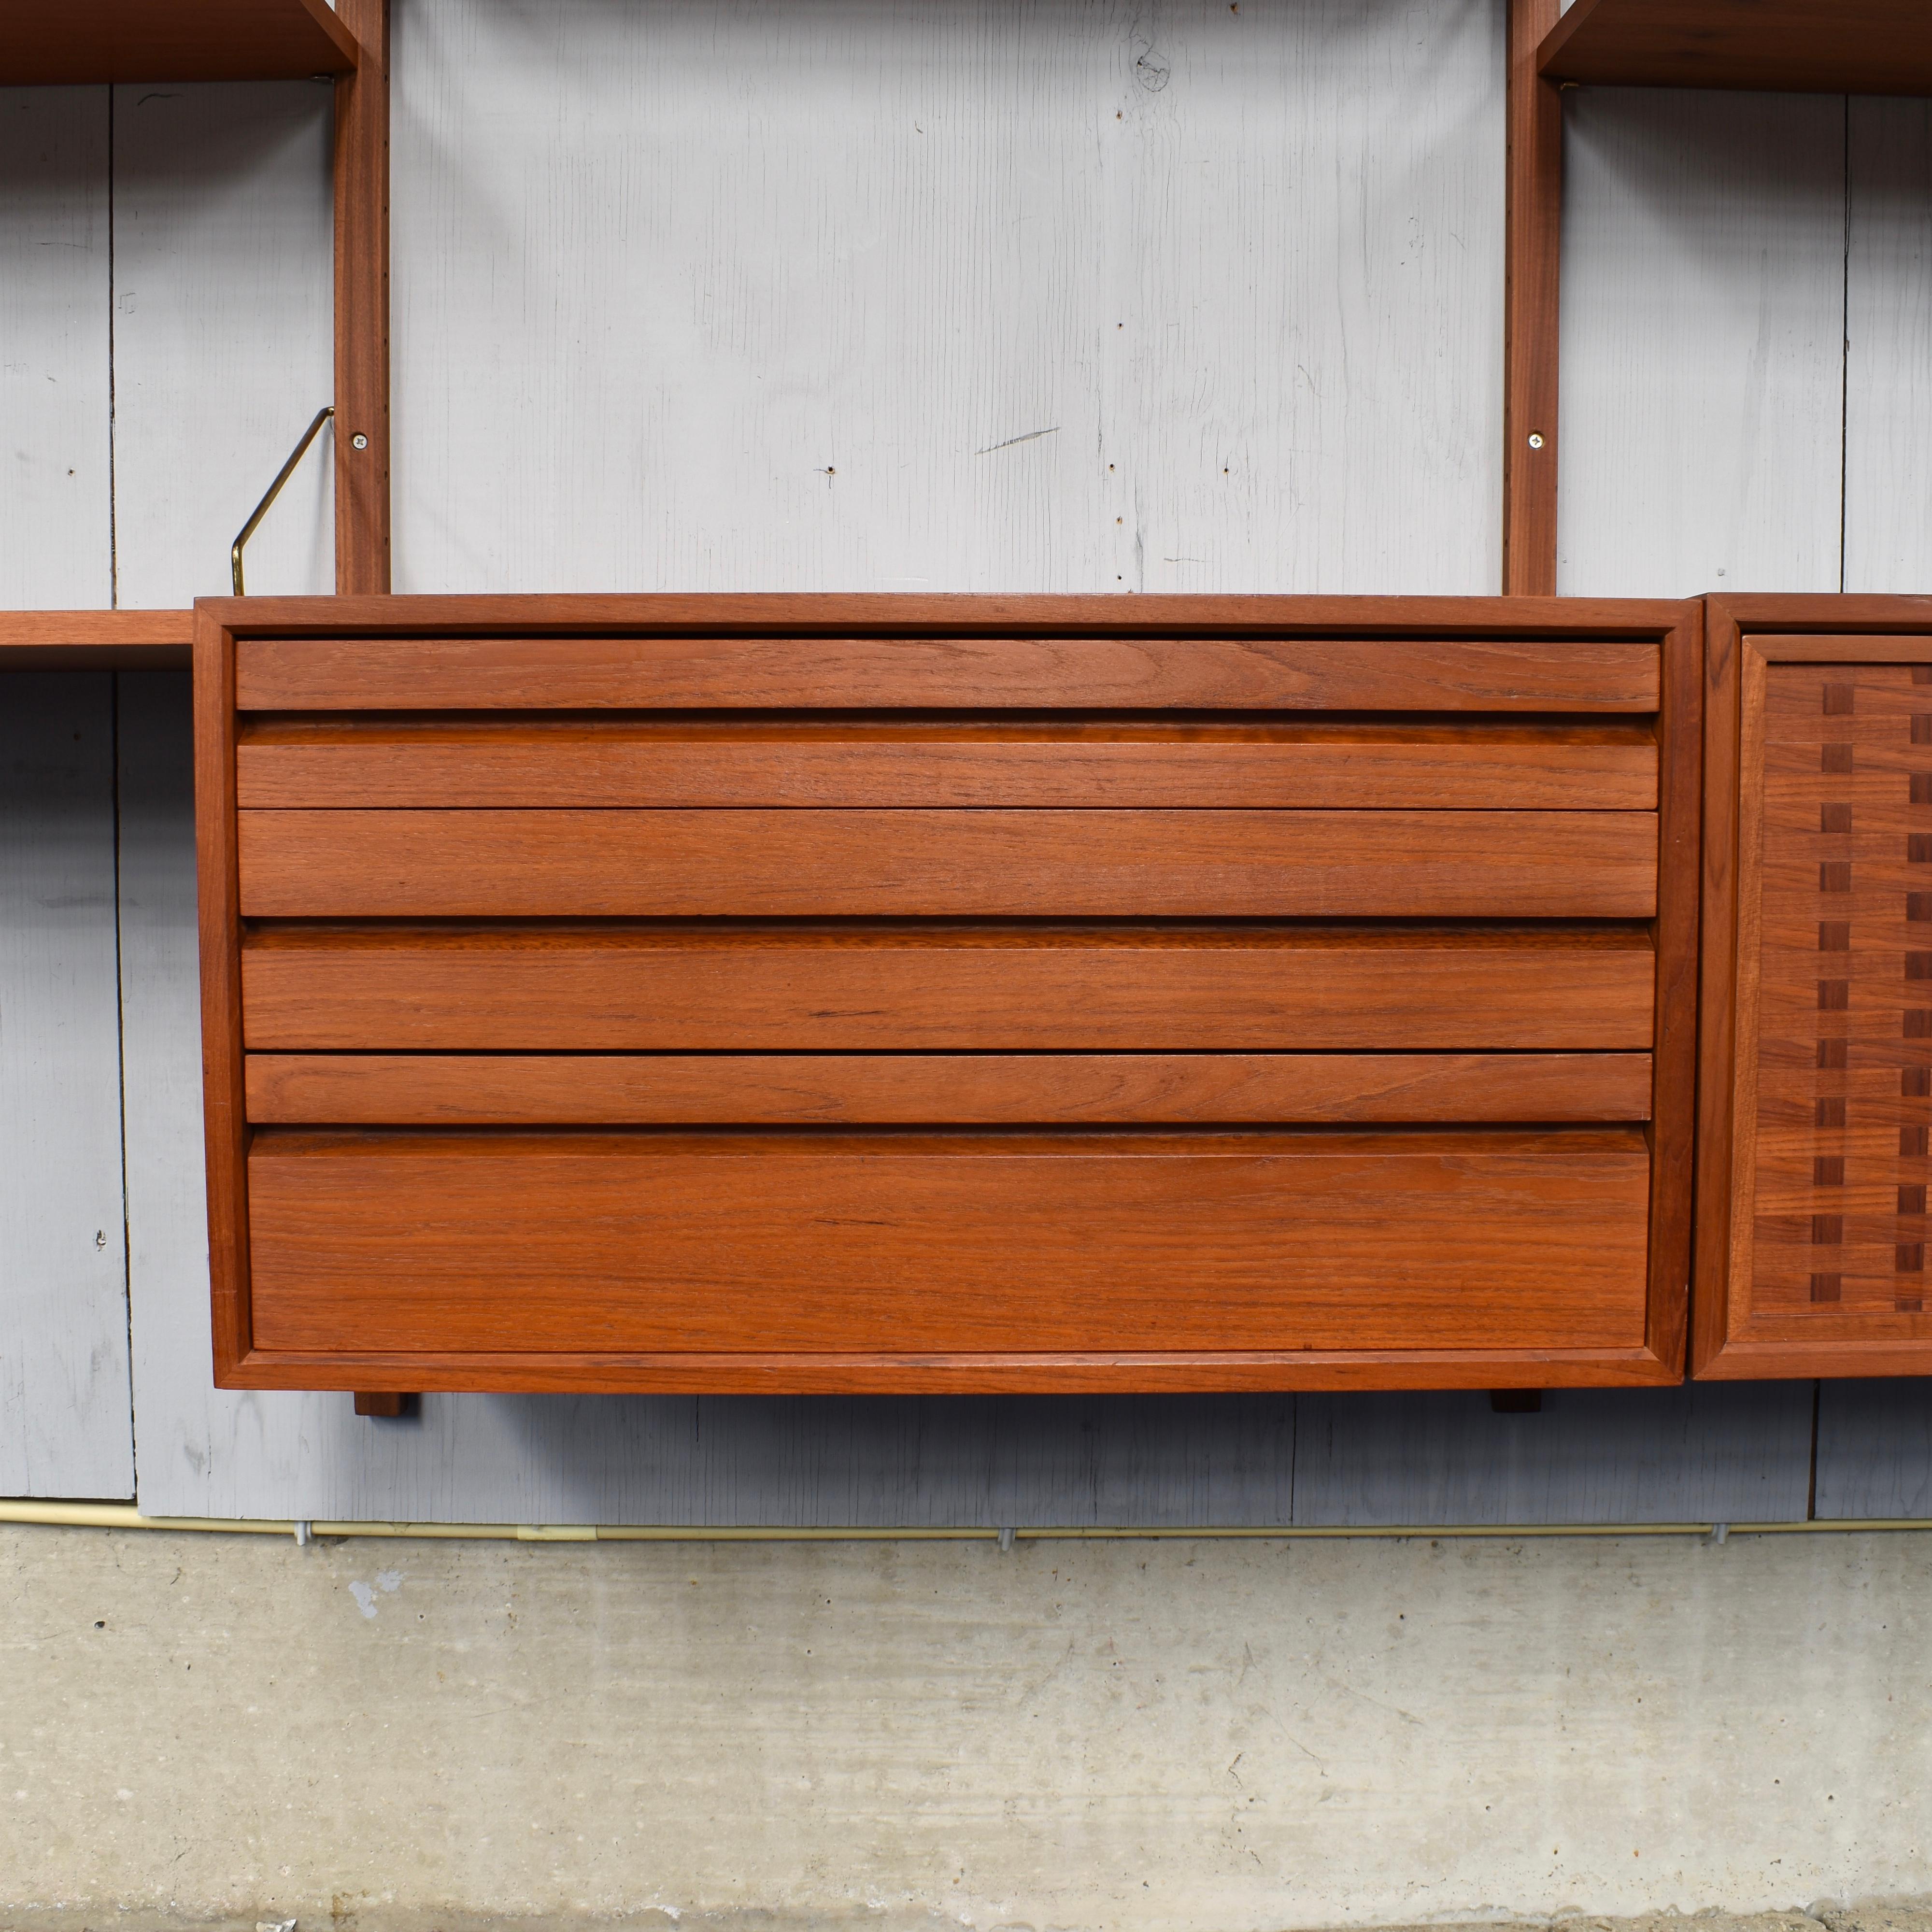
column 1779, row 46
column 873, row 993
column 96, row 640
column 75, row 42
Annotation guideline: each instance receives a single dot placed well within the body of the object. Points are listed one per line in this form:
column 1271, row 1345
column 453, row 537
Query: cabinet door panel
column 1820, row 1063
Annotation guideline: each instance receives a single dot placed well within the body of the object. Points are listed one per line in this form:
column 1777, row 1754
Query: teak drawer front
column 899, row 990
column 959, row 674
column 364, row 764
column 564, row 864
column 797, row 1243
column 795, row 1089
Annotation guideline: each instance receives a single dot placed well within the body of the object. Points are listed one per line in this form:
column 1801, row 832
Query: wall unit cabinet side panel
column 1673, row 1108
column 224, row 1108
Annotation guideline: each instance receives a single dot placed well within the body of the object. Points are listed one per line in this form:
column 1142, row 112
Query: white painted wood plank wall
column 1701, row 435
column 1888, row 507
column 723, row 296
column 64, row 1426
column 222, row 337
column 56, row 500
column 966, row 295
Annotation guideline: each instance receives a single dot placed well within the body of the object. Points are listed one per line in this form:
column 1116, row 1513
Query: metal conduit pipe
column 125, row 1515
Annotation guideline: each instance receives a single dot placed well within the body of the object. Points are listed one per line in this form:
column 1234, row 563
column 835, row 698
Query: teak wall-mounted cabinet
column 1813, row 1160
column 957, row 993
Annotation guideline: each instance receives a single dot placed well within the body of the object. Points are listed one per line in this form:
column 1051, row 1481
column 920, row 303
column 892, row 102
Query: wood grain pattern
column 937, row 1244
column 361, row 764
column 80, row 42
column 835, row 1032
column 795, row 1089
column 1532, row 270
column 832, row 617
column 360, row 169
column 1037, row 673
column 224, row 1107
column 1784, row 46
column 95, row 640
column 1673, row 1107
column 1844, row 1008
column 901, row 989
column 565, row 864
column 1815, row 1073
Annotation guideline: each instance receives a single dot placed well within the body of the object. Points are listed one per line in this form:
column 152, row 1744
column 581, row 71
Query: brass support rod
column 282, row 475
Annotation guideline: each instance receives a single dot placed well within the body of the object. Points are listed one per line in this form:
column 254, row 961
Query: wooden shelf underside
column 1797, row 47
column 75, row 42
column 96, row 640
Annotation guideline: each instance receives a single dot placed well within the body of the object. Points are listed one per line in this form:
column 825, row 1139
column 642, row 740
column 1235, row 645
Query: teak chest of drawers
column 872, row 993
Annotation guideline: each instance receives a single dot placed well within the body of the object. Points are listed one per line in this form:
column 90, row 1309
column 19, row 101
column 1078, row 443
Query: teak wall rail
column 954, row 993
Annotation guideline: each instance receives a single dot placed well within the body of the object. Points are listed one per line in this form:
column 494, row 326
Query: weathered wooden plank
column 54, row 319
column 64, row 1423
column 1706, row 1452
column 1888, row 347
column 1875, row 1450
column 1703, row 304
column 957, row 298
column 221, row 290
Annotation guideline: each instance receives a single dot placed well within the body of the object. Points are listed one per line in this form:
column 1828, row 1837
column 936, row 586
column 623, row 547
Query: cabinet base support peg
column 386, row 1402
column 1502, row 1402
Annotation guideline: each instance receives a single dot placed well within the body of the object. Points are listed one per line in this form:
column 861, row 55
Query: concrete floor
column 1187, row 1734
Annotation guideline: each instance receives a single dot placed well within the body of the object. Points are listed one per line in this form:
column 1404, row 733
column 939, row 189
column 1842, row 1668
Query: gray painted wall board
column 1710, row 1452
column 1875, row 1450
column 713, row 296
column 172, row 1363
column 222, row 346
column 65, row 1427
column 1703, row 311
column 1889, row 348
column 55, row 427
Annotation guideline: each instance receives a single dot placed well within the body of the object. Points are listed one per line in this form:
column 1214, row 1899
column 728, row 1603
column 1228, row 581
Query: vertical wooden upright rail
column 1533, row 256
column 361, row 181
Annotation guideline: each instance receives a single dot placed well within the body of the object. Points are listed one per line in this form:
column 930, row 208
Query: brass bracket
column 282, row 475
